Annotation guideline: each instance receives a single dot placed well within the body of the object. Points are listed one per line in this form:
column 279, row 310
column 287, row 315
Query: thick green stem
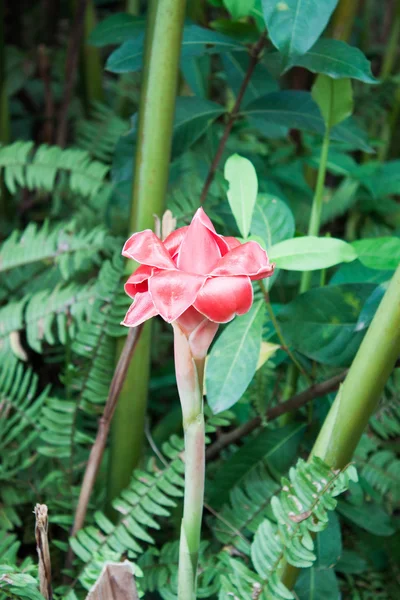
column 315, row 218
column 156, row 114
column 189, row 374
column 359, row 395
column 91, row 67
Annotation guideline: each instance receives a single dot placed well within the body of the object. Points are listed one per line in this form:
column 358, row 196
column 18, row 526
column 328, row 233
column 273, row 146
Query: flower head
column 192, row 275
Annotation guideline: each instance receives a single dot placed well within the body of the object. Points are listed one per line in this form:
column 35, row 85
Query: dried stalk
column 42, row 547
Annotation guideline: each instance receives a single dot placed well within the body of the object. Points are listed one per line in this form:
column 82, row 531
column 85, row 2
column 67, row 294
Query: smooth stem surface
column 90, row 67
column 315, row 218
column 156, row 114
column 189, row 374
column 359, row 395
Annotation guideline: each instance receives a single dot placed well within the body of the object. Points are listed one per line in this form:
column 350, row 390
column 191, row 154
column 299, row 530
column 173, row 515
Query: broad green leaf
column 267, row 445
column 328, row 544
column 261, row 82
column 272, row 220
column 335, row 59
column 233, row 359
column 381, row 179
column 196, row 42
column 323, row 323
column 356, row 272
column 295, row 25
column 351, row 562
column 193, row 116
column 128, row 58
column 369, row 516
column 239, row 8
column 297, row 110
column 242, row 192
column 316, row 584
column 334, row 98
column 116, row 29
column 379, row 253
column 309, row 253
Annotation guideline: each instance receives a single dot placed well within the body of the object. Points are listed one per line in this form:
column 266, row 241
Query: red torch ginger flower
column 192, row 275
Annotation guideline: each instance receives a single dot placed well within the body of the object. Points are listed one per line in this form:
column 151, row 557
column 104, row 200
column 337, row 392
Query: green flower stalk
column 194, row 279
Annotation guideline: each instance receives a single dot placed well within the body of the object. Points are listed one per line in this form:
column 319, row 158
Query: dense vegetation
column 285, row 128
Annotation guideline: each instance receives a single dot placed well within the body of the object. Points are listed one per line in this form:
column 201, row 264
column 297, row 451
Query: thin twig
column 71, row 64
column 96, row 453
column 254, row 58
column 315, row 391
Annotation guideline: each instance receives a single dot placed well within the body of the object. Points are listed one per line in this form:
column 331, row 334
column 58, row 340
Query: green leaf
column 315, row 584
column 369, row 516
column 116, row 29
column 239, row 8
column 265, row 446
column 351, row 562
column 328, row 544
column 233, row 359
column 272, row 220
column 297, row 110
column 309, row 253
column 381, row 179
column 378, row 253
column 242, row 192
column 196, row 41
column 334, row 98
column 128, row 58
column 261, row 81
column 335, row 59
column 323, row 323
column 193, row 116
column 295, row 25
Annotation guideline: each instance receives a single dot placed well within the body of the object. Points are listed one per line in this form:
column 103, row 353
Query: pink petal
column 221, row 298
column 190, row 319
column 199, row 251
column 247, row 259
column 173, row 241
column 174, row 291
column 137, row 282
column 147, row 249
column 201, row 338
column 231, row 241
column 141, row 310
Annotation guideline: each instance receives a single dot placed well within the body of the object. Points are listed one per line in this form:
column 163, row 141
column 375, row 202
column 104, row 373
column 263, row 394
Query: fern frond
column 14, row 584
column 248, row 506
column 99, row 134
column 37, row 169
column 20, row 409
column 150, row 494
column 51, row 312
column 386, row 422
column 71, row 250
column 300, row 509
column 382, row 471
column 11, row 321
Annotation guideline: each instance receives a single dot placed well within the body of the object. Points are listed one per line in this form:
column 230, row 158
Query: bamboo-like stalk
column 359, row 395
column 90, row 62
column 156, row 113
column 343, row 19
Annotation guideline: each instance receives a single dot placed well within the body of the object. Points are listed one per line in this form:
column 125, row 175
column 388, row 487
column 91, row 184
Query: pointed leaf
column 334, row 98
column 242, row 192
column 308, row 253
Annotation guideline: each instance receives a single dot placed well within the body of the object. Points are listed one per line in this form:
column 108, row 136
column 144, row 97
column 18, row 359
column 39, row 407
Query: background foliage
column 318, row 119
